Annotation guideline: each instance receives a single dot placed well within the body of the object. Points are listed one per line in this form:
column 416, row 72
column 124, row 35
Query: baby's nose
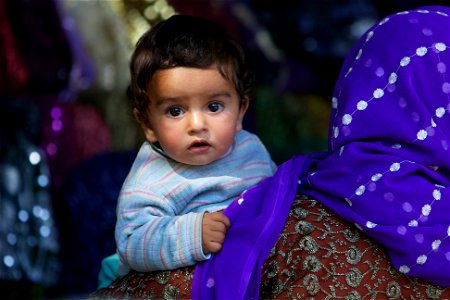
column 197, row 121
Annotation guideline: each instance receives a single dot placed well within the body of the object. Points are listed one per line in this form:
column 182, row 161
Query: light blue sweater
column 162, row 202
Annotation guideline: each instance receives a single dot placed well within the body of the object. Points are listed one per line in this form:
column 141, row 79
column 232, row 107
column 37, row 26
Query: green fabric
column 109, row 271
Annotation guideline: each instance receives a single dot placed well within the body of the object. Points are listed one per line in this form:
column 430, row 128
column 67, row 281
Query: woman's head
column 185, row 41
column 394, row 87
column 388, row 169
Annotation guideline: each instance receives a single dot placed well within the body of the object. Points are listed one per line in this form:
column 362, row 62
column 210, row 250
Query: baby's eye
column 175, row 111
column 215, row 106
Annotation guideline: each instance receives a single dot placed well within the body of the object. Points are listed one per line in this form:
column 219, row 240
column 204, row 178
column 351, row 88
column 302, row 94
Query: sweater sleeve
column 151, row 236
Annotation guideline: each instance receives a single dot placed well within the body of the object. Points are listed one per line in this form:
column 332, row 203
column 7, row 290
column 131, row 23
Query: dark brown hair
column 185, row 41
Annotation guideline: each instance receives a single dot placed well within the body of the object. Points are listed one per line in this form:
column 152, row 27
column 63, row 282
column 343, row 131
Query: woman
column 388, row 169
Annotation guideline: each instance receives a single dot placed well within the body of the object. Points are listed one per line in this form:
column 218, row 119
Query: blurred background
column 67, row 135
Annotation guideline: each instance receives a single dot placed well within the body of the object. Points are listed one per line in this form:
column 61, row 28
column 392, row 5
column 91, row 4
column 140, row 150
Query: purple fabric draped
column 388, row 166
column 257, row 219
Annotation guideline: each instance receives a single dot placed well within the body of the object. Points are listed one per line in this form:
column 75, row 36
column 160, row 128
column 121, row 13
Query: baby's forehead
column 185, row 82
column 226, row 72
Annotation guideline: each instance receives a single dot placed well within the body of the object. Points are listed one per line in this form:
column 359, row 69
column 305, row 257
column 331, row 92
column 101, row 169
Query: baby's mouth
column 200, row 146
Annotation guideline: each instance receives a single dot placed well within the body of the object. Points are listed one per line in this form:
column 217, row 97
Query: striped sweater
column 162, row 202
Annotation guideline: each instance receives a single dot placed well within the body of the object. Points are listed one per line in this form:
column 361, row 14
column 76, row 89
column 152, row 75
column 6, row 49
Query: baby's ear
column 242, row 110
column 145, row 125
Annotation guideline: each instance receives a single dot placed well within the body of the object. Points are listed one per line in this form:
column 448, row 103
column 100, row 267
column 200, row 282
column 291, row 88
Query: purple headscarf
column 388, row 166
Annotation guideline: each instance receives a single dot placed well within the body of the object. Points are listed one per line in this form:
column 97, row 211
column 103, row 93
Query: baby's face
column 193, row 113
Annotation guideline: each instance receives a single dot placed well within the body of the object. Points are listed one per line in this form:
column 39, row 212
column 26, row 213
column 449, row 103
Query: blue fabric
column 165, row 200
column 29, row 244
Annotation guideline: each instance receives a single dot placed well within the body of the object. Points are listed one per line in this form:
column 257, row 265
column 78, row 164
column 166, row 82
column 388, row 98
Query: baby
column 191, row 90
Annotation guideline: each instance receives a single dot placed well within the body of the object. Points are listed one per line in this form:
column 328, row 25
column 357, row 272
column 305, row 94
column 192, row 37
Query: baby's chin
column 199, row 156
column 198, row 162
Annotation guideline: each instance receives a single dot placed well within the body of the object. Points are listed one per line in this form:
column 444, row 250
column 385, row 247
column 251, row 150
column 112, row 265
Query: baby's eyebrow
column 166, row 100
column 220, row 94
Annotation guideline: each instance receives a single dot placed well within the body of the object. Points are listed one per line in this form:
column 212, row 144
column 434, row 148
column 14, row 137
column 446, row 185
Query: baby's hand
column 214, row 228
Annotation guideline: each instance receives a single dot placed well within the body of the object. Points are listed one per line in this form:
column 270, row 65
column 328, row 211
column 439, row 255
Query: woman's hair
column 185, row 41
